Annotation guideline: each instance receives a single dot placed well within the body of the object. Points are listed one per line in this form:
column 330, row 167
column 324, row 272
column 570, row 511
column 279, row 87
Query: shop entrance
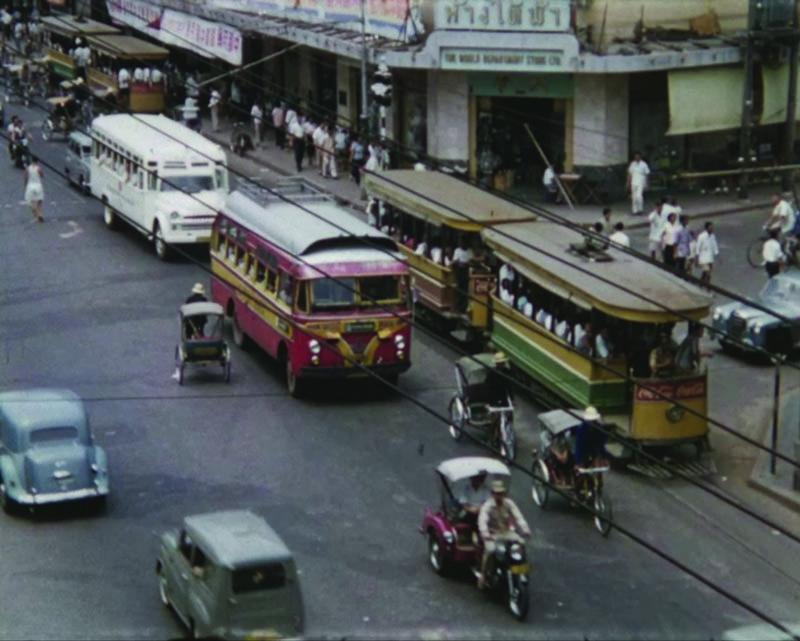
column 507, row 158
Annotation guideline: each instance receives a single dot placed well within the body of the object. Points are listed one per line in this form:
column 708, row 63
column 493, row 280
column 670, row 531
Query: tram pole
column 775, row 414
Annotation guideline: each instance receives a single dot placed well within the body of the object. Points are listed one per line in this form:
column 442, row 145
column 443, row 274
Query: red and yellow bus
column 316, row 288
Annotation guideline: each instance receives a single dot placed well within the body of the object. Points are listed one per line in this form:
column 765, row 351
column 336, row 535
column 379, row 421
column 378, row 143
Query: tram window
column 302, row 296
column 261, row 272
column 152, row 178
column 220, row 241
column 378, row 288
column 286, row 293
column 272, row 281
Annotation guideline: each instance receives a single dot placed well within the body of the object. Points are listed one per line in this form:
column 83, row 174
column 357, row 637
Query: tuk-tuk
column 573, row 461
column 483, row 401
column 202, row 341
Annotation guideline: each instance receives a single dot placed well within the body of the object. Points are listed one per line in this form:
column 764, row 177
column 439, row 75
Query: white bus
column 165, row 179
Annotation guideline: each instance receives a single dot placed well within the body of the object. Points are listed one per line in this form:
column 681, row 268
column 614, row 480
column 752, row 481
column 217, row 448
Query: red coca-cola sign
column 665, row 391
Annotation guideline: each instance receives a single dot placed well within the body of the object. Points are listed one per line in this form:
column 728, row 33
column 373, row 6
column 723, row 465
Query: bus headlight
column 399, row 342
column 174, row 215
column 314, row 346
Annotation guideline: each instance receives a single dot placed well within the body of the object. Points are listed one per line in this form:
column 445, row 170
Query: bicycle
column 789, row 245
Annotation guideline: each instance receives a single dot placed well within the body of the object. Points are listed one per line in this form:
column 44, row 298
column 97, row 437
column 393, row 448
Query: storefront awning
column 702, row 100
column 776, row 88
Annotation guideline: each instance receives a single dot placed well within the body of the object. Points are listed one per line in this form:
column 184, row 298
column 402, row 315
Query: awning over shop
column 776, row 89
column 702, row 100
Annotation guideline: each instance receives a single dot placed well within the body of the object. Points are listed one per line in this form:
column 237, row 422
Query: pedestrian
column 317, row 136
column 373, row 153
column 683, row 244
column 670, row 239
column 298, row 145
column 213, row 106
column 257, row 115
column 657, row 219
column 328, row 153
column 356, row 158
column 549, row 185
column 278, row 121
column 605, row 220
column 309, row 126
column 772, row 253
column 124, row 84
column 191, row 113
column 637, row 183
column 707, row 251
column 619, row 237
column 34, row 189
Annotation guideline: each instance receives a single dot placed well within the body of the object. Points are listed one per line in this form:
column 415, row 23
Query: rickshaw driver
column 497, row 517
column 473, row 496
column 590, row 439
column 195, row 326
column 497, row 387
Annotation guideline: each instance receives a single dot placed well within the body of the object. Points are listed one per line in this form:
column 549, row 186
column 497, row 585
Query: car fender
column 198, row 612
column 101, row 460
column 11, row 476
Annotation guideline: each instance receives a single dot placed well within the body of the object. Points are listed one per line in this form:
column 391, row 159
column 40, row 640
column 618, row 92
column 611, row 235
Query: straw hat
column 591, row 414
column 199, row 289
column 498, row 487
column 500, row 358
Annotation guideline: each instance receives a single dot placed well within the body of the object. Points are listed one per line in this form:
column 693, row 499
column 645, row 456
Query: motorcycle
column 508, row 574
column 20, row 152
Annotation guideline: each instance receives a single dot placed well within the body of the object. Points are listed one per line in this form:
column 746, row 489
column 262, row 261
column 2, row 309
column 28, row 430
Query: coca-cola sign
column 657, row 391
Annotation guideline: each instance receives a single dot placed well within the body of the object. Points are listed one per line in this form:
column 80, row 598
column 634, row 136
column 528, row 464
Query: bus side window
column 286, row 293
column 302, row 296
column 230, row 252
column 250, row 265
column 151, row 180
column 272, row 280
column 240, row 257
column 261, row 272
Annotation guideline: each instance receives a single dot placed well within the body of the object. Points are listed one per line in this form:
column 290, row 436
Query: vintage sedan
column 228, row 575
column 740, row 326
column 47, row 453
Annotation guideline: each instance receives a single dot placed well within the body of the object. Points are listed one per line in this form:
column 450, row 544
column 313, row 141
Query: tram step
column 702, row 467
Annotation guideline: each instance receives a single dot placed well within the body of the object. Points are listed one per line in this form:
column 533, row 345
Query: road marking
column 75, row 230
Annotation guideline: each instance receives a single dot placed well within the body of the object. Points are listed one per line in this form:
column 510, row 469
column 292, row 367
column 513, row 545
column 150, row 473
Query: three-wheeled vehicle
column 18, row 82
column 454, row 541
column 572, row 460
column 61, row 119
column 483, row 401
column 202, row 341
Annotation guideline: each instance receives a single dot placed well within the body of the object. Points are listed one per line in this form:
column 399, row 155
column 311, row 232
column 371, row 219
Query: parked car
column 228, row 575
column 757, row 329
column 47, row 453
column 76, row 162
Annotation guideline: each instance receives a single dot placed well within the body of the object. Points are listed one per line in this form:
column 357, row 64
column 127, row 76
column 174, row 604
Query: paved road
column 341, row 476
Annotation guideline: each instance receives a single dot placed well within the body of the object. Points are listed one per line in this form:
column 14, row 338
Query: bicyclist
column 782, row 217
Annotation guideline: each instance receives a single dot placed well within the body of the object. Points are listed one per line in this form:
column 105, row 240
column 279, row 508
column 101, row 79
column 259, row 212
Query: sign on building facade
column 502, row 15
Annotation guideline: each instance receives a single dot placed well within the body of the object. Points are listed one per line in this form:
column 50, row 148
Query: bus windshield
column 340, row 293
column 188, row 184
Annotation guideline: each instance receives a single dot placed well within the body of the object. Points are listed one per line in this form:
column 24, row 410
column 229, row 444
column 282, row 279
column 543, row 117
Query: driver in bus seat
column 662, row 357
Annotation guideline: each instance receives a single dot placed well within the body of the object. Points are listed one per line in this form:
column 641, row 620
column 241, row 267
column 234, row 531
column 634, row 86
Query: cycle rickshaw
column 64, row 111
column 573, row 461
column 483, row 401
column 202, row 341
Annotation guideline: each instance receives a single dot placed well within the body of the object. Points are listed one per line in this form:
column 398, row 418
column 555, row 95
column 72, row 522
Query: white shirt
column 657, row 221
column 257, row 113
column 156, row 76
column 214, row 100
column 296, row 129
column 638, row 171
column 772, row 251
column 506, row 273
column 462, row 256
column 291, row 116
column 420, row 250
column 317, row 136
column 620, row 238
column 707, row 248
column 561, row 329
column 602, row 349
column 528, row 310
column 549, row 177
column 190, row 111
column 124, row 78
column 436, row 255
column 667, row 209
column 669, row 233
column 579, row 333
column 783, row 212
column 138, row 74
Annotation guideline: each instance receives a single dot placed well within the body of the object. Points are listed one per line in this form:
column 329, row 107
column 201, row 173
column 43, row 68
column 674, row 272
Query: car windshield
column 258, row 578
column 778, row 288
column 49, row 435
column 188, row 184
column 327, row 293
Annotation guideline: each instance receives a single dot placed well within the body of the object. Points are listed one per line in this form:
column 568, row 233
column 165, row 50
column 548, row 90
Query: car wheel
column 163, row 589
column 83, row 185
column 6, row 502
column 239, row 335
column 435, row 554
column 160, row 245
column 109, row 217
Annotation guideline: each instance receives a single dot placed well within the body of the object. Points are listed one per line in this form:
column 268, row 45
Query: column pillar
column 600, row 120
column 449, row 117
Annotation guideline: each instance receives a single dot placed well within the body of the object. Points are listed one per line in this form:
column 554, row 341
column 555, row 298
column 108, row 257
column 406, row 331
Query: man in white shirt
column 213, row 106
column 298, row 143
column 257, row 114
column 327, row 154
column 772, row 253
column 550, row 185
column 317, row 137
column 422, row 249
column 602, row 345
column 462, row 255
column 707, row 251
column 124, row 84
column 782, row 217
column 619, row 237
column 670, row 239
column 638, row 171
column 506, row 273
column 657, row 219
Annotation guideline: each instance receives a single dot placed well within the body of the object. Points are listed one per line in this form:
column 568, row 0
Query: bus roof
column 148, row 135
column 569, row 273
column 443, row 199
column 310, row 223
column 126, row 47
column 70, row 26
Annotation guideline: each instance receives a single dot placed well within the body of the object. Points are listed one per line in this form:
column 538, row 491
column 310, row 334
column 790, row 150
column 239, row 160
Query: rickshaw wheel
column 507, row 444
column 181, row 368
column 227, row 367
column 540, row 491
column 456, row 411
column 602, row 507
column 435, row 554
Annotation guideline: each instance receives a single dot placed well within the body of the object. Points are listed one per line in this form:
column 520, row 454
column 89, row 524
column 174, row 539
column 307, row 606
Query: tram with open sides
column 60, row 33
column 555, row 289
column 434, row 210
column 322, row 292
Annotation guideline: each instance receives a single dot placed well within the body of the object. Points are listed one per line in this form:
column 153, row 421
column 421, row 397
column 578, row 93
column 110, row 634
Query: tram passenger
column 662, row 357
column 689, row 354
column 603, row 346
column 585, row 341
column 436, row 251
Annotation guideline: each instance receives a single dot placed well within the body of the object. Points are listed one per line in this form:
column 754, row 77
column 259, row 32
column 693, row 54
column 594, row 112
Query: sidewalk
column 694, row 204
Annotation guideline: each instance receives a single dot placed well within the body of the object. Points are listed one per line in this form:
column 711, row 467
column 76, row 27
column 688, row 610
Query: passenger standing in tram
column 603, row 347
column 461, row 259
column 584, row 338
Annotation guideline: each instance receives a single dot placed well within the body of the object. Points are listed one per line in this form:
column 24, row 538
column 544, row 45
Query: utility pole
column 747, row 99
column 791, row 107
column 364, row 99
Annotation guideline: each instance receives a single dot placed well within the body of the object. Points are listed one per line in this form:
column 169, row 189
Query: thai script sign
column 474, row 59
column 210, row 39
column 502, row 15
column 671, row 391
column 394, row 19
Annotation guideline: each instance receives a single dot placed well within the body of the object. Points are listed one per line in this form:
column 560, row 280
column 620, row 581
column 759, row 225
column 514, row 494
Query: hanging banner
column 209, row 39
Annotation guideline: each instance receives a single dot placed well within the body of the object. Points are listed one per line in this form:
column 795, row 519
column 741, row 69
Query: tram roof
column 118, row 45
column 443, row 199
column 70, row 26
column 306, row 224
column 542, row 253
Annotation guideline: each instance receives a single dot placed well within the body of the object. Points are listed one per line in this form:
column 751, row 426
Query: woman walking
column 34, row 189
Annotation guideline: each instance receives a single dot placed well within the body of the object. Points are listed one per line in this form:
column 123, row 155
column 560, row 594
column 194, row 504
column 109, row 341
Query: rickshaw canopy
column 464, row 467
column 201, row 309
column 476, row 367
column 559, row 421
